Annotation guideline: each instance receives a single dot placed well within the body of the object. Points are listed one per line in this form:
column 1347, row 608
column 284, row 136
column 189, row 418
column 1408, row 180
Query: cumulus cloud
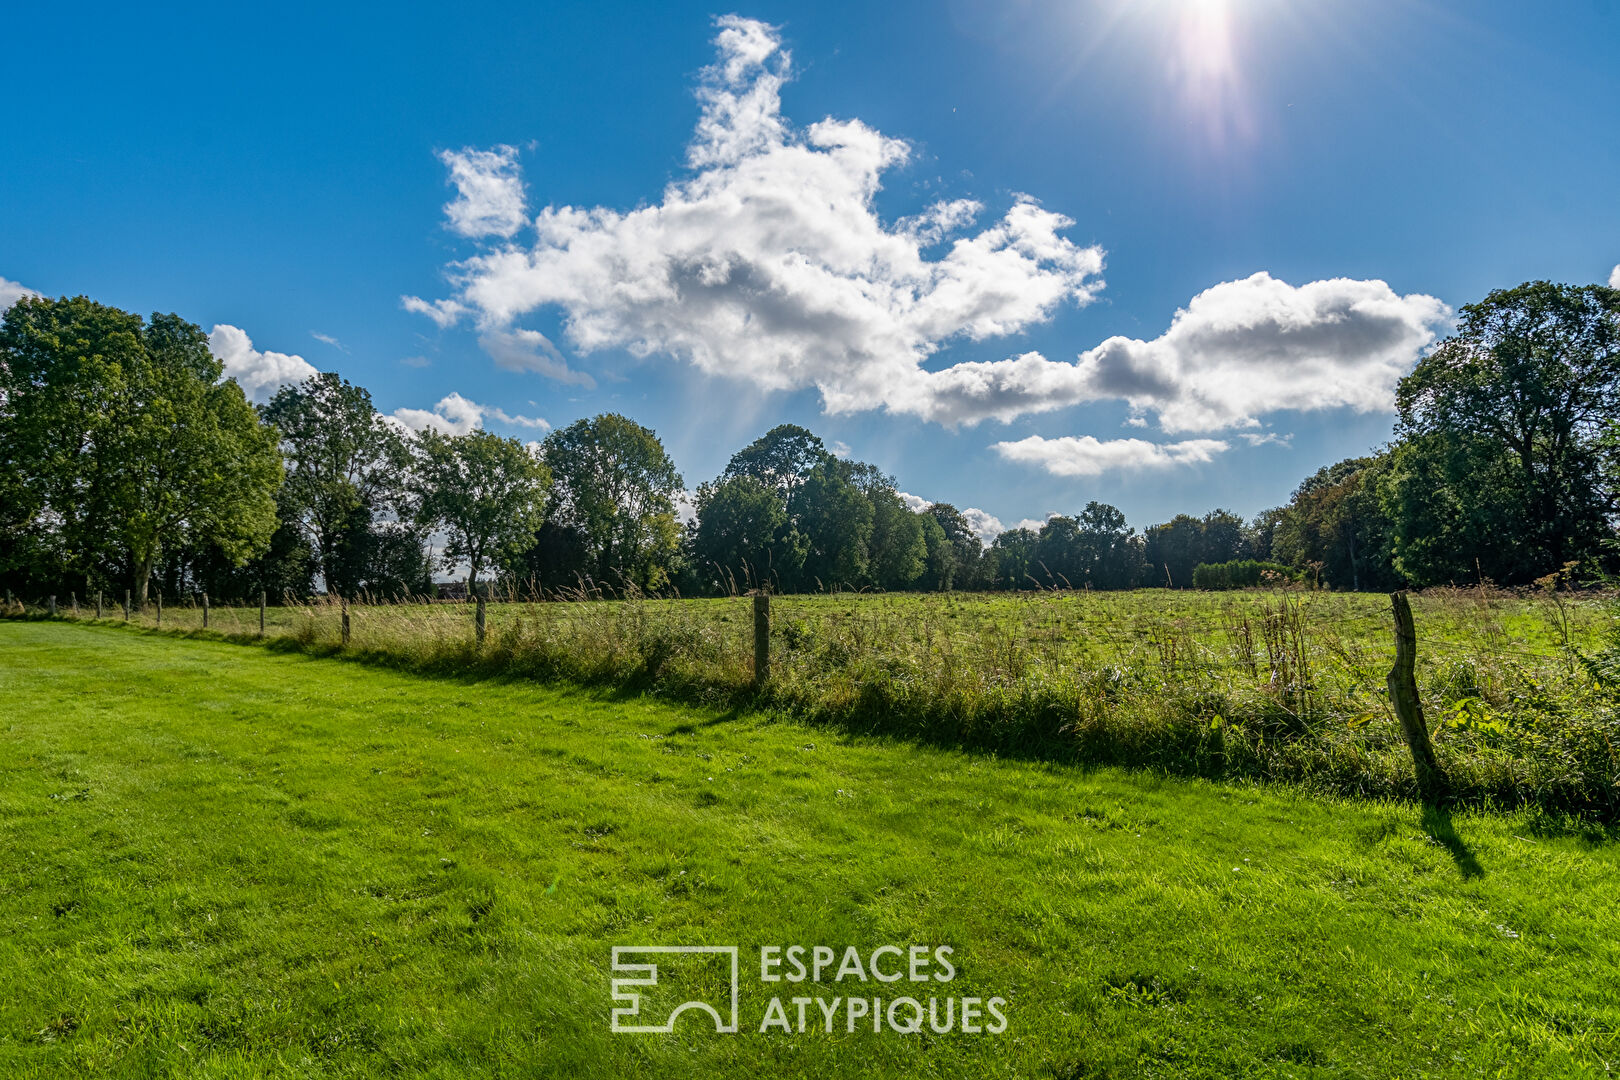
column 489, row 192
column 259, row 374
column 456, row 415
column 769, row 262
column 1237, row 350
column 11, row 292
column 1087, row 456
column 1614, row 279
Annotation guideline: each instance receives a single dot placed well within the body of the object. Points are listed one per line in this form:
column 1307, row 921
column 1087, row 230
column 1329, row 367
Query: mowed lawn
column 219, row 860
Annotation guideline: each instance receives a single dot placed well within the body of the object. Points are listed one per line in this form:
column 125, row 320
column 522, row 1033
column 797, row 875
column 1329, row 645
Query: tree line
column 127, row 461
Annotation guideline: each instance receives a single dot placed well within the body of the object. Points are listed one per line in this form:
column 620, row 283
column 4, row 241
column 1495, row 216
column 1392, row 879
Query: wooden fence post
column 344, row 601
column 50, row 605
column 205, row 611
column 1403, row 695
column 261, row 613
column 159, row 598
column 98, row 603
column 126, row 605
column 478, row 619
column 73, row 602
column 762, row 640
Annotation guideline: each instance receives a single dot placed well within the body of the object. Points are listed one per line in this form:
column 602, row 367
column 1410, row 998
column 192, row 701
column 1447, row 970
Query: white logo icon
column 646, row 974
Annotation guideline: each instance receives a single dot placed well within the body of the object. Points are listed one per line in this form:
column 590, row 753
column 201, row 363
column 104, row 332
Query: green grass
column 1276, row 685
column 220, row 861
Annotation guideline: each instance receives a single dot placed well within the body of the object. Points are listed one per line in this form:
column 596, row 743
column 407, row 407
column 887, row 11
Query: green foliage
column 743, row 539
column 616, row 486
column 118, row 434
column 1241, row 574
column 487, row 493
column 1506, row 425
column 346, row 470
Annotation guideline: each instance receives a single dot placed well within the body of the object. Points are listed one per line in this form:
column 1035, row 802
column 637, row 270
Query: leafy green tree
column 1014, row 553
column 835, row 518
column 741, row 525
column 616, row 485
column 898, row 547
column 120, row 441
column 346, row 469
column 960, row 564
column 487, row 493
column 1511, row 414
column 781, row 458
column 68, row 370
column 1336, row 526
column 197, row 465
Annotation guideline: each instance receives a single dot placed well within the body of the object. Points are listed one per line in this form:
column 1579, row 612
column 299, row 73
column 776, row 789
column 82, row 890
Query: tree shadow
column 1437, row 823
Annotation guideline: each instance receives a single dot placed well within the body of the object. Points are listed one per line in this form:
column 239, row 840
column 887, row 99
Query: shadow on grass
column 1172, row 737
column 1437, row 823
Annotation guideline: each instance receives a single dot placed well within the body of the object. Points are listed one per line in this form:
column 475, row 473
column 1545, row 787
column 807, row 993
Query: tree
column 120, row 440
column 959, row 563
column 487, row 493
column 1511, row 413
column 197, row 463
column 617, row 486
column 781, row 458
column 835, row 518
column 898, row 547
column 740, row 519
column 345, row 470
column 1014, row 552
column 1336, row 523
column 66, row 383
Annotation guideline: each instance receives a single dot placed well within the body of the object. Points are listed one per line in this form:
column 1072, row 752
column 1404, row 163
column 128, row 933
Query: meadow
column 231, row 862
column 1254, row 684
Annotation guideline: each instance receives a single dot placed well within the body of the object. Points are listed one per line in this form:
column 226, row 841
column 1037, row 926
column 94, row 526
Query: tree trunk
column 143, row 575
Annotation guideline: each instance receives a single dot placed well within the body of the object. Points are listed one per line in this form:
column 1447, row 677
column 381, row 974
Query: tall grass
column 1278, row 685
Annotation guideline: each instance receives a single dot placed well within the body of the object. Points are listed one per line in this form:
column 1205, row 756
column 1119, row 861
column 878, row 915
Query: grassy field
column 222, row 861
column 1284, row 685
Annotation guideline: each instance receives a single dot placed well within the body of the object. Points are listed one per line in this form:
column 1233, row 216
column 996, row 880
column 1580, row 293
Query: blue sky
column 954, row 238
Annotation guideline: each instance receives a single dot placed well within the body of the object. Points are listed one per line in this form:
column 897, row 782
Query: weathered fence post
column 126, row 605
column 159, row 598
column 261, row 613
column 762, row 640
column 344, row 601
column 1403, row 695
column 205, row 611
column 98, row 603
column 478, row 619
column 73, row 602
column 50, row 605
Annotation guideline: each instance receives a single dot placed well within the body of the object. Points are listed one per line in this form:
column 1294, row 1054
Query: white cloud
column 456, row 415
column 915, row 503
column 769, row 263
column 328, row 339
column 11, row 292
column 259, row 374
column 530, row 350
column 489, row 192
column 985, row 526
column 1238, row 350
column 1086, row 456
column 444, row 313
column 1614, row 278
